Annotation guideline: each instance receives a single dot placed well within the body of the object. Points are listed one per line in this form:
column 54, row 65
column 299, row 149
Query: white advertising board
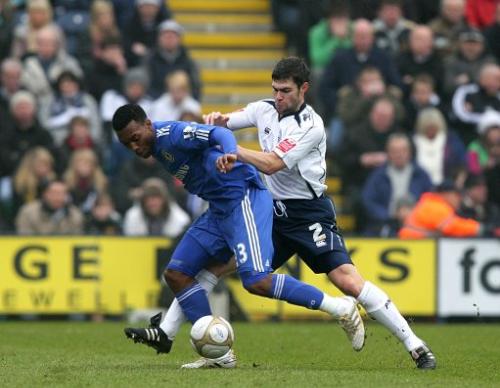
column 469, row 277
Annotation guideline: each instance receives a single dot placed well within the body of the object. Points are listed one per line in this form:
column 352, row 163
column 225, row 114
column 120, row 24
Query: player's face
column 138, row 137
column 288, row 97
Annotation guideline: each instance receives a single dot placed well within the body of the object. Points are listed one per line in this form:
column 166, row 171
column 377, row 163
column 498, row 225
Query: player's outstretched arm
column 266, row 162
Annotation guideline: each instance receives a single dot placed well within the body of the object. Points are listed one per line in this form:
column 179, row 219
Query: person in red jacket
column 480, row 13
column 435, row 216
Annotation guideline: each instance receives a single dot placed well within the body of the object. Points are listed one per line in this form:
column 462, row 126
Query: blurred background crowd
column 409, row 92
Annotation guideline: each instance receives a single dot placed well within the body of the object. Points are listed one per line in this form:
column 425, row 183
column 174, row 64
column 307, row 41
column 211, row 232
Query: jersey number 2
column 318, row 238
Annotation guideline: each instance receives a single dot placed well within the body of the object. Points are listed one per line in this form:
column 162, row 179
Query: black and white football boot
column 151, row 336
column 423, row 357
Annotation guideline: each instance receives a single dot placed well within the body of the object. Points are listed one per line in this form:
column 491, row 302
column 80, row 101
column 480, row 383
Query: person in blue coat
column 398, row 179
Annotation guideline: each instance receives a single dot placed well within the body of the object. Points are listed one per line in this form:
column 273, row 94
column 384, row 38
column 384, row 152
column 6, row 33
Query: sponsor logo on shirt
column 286, row 145
column 168, row 157
column 182, row 172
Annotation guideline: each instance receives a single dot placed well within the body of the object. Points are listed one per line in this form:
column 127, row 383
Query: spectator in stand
column 85, row 179
column 484, row 153
column 35, row 170
column 126, row 188
column 21, row 131
column 108, row 70
column 355, row 102
column 170, row 55
column 471, row 101
column 447, row 26
column 475, row 203
column 348, row 63
column 68, row 101
column 330, row 34
column 365, row 145
column 79, row 137
column 39, row 15
column 422, row 95
column 463, row 66
column 6, row 28
column 295, row 18
column 435, row 215
column 50, row 60
column 53, row 214
column 103, row 219
column 138, row 41
column 480, row 13
column 398, row 179
column 420, row 11
column 492, row 35
column 438, row 150
column 156, row 213
column 391, row 28
column 176, row 99
column 420, row 59
column 10, row 82
column 134, row 90
column 102, row 27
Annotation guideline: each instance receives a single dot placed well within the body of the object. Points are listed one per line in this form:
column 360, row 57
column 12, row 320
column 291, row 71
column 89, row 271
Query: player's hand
column 216, row 118
column 225, row 163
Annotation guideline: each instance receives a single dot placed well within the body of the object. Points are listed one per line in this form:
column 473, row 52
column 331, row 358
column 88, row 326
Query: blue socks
column 194, row 302
column 295, row 292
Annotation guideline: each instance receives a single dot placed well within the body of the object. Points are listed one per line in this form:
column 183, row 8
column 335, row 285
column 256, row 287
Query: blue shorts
column 246, row 232
column 308, row 228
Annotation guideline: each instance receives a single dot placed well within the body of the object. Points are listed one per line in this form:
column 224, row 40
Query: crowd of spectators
column 409, row 92
column 65, row 66
column 410, row 95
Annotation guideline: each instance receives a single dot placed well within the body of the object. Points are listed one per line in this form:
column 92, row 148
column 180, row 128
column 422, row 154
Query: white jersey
column 299, row 139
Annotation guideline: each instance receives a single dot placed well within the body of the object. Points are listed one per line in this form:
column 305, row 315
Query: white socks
column 335, row 306
column 380, row 307
column 174, row 317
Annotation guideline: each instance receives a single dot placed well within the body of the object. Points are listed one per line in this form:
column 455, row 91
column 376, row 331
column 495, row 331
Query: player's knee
column 176, row 280
column 258, row 285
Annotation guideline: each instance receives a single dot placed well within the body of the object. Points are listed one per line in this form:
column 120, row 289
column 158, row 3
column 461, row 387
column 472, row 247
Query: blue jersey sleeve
column 225, row 138
column 199, row 137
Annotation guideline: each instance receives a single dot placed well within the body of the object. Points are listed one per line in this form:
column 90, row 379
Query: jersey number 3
column 242, row 253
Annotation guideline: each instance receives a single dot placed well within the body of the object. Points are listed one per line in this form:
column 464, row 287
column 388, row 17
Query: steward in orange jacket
column 435, row 215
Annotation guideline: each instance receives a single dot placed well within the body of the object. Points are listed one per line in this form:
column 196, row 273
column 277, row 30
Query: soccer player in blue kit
column 238, row 221
column 293, row 141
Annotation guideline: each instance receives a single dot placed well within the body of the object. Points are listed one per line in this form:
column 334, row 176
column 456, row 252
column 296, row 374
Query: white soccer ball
column 212, row 337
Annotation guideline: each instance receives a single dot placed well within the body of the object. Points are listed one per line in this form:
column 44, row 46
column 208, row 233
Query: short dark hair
column 291, row 67
column 127, row 113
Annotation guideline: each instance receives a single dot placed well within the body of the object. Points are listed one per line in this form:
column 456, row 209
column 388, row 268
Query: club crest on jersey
column 286, row 145
column 168, row 157
column 267, row 130
column 306, row 116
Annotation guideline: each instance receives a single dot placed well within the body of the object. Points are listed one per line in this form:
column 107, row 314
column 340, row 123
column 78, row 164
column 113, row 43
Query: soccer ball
column 212, row 337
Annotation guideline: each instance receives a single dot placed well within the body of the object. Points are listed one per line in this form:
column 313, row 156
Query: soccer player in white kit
column 293, row 139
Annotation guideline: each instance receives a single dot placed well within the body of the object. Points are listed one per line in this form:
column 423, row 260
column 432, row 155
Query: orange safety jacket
column 434, row 217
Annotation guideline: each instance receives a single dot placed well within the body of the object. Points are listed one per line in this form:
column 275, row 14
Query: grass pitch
column 270, row 355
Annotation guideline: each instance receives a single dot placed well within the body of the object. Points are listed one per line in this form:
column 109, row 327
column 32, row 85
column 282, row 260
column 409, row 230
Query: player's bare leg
column 380, row 307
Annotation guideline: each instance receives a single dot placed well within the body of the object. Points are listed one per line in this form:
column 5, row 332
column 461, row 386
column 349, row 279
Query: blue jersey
column 187, row 151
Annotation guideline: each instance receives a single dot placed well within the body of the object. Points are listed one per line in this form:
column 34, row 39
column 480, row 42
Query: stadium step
column 196, row 22
column 237, row 40
column 239, row 59
column 218, row 6
column 236, row 76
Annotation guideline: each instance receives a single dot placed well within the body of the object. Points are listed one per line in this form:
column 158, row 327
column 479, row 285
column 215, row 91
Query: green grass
column 270, row 355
